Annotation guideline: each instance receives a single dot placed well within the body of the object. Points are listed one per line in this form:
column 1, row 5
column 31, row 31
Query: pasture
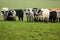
column 18, row 30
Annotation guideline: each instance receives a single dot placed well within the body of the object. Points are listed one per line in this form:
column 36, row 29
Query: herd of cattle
column 32, row 14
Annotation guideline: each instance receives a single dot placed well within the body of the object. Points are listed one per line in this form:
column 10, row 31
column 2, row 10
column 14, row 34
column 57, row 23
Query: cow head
column 24, row 9
column 39, row 11
column 35, row 10
column 5, row 14
column 10, row 13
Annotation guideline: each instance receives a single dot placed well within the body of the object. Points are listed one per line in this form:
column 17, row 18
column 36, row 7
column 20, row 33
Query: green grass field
column 18, row 30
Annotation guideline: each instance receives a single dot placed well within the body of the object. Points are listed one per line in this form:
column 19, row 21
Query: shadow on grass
column 24, row 21
column 12, row 21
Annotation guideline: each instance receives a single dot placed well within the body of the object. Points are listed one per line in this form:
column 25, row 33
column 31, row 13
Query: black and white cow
column 19, row 13
column 8, row 14
column 11, row 15
column 41, row 14
column 35, row 14
column 53, row 16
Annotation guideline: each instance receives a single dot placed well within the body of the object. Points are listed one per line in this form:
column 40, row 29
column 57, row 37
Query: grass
column 29, row 31
column 18, row 30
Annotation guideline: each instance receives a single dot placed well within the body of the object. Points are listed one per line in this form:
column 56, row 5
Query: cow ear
column 1, row 11
column 32, row 10
column 24, row 9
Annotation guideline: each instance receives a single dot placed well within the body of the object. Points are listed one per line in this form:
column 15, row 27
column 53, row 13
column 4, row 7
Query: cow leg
column 19, row 18
column 27, row 18
column 14, row 18
column 22, row 18
column 43, row 19
column 35, row 19
column 54, row 19
column 40, row 20
column 50, row 19
column 31, row 18
column 59, row 19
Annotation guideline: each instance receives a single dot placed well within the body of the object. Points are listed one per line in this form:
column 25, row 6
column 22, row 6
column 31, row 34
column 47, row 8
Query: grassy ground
column 29, row 31
column 17, row 30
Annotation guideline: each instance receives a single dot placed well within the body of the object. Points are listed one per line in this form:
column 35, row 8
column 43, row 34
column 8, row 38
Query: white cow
column 45, row 14
column 29, row 14
column 58, row 15
column 5, row 12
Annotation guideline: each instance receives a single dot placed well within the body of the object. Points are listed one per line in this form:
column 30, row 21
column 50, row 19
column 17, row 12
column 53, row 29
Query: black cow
column 19, row 13
column 53, row 16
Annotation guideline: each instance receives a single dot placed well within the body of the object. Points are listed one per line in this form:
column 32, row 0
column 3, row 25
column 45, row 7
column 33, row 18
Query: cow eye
column 6, row 11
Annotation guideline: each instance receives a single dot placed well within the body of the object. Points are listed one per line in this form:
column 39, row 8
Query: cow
column 53, row 16
column 5, row 12
column 8, row 14
column 45, row 15
column 29, row 14
column 19, row 13
column 39, row 16
column 58, row 15
column 35, row 14
column 11, row 15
